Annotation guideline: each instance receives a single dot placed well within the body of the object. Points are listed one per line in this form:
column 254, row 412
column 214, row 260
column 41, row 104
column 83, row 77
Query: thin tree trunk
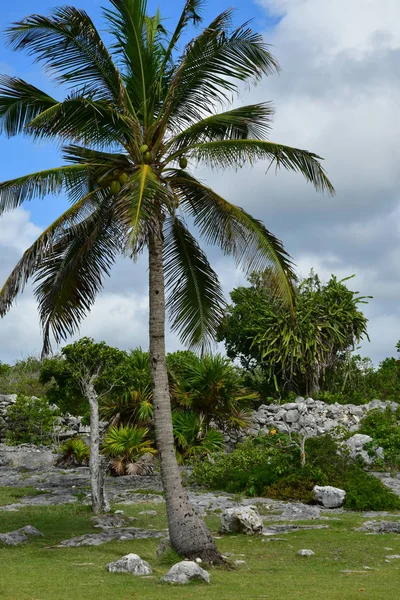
column 97, row 462
column 189, row 534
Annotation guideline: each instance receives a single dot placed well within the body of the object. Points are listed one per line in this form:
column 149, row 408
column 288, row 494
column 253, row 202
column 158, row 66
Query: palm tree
column 135, row 116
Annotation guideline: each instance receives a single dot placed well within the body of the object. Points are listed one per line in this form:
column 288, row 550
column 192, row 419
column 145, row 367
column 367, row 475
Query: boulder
column 329, row 497
column 241, row 519
column 186, row 571
column 131, row 563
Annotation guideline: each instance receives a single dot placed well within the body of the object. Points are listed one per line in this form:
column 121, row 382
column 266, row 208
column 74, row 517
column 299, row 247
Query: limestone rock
column 329, row 496
column 131, row 563
column 19, row 536
column 241, row 520
column 186, row 571
column 356, row 444
column 306, row 552
column 380, row 527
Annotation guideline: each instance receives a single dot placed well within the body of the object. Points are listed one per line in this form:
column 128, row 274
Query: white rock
column 306, row 552
column 329, row 496
column 131, row 563
column 241, row 519
column 186, row 571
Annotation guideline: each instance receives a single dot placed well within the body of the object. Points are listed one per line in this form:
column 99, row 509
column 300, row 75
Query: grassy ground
column 273, row 570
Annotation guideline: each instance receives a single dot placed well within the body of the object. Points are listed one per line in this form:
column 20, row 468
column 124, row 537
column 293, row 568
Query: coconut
column 115, row 187
column 144, row 148
column 147, row 157
column 183, row 162
column 123, row 178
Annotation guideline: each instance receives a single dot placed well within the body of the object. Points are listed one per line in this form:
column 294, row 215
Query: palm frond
column 213, row 66
column 70, row 47
column 38, row 185
column 85, row 120
column 127, row 22
column 245, row 122
column 235, row 231
column 191, row 13
column 195, row 299
column 72, row 273
column 235, row 153
column 20, row 102
column 32, row 258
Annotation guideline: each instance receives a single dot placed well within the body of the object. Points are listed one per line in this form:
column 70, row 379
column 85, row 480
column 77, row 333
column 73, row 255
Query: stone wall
column 308, row 417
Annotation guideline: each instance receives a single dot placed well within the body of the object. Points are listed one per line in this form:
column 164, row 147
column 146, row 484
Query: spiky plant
column 75, row 451
column 194, row 437
column 137, row 118
column 124, row 446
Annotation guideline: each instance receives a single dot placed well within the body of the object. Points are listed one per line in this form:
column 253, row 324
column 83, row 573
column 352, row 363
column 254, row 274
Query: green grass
column 11, row 495
column 273, row 570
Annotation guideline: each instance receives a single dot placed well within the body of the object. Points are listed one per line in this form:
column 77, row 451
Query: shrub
column 384, row 428
column 193, row 437
column 366, row 492
column 124, row 445
column 253, row 465
column 298, row 486
column 75, row 451
column 30, row 421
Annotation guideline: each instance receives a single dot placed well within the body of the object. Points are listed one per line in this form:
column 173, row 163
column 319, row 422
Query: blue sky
column 18, row 155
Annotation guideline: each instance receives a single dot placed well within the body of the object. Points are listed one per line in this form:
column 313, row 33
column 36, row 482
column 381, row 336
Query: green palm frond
column 127, row 442
column 15, row 192
column 195, row 299
column 83, row 119
column 235, row 153
column 127, row 22
column 212, row 68
column 20, row 102
column 69, row 45
column 236, row 232
column 32, row 258
column 71, row 275
column 245, row 122
column 191, row 13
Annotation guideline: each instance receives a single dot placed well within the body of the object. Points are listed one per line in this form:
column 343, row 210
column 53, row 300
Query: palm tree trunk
column 96, row 463
column 189, row 534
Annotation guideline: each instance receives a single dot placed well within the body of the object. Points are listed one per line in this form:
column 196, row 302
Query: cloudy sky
column 338, row 95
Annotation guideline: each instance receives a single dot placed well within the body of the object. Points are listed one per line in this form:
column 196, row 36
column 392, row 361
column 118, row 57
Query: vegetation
column 137, row 116
column 384, row 428
column 295, row 352
column 271, row 466
column 75, row 452
column 30, row 421
column 125, row 445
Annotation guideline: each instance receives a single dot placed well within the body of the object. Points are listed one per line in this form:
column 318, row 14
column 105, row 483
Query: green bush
column 30, row 421
column 384, row 428
column 253, row 465
column 75, row 451
column 271, row 467
column 298, row 486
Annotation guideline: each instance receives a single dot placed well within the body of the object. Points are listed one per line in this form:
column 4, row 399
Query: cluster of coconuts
column 116, row 181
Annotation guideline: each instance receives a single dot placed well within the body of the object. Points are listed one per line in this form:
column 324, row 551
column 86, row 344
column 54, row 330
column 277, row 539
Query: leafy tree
column 30, row 421
column 295, row 351
column 136, row 116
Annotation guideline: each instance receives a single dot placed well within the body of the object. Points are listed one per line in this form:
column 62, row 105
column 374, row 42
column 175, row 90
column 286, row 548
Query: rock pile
column 308, row 417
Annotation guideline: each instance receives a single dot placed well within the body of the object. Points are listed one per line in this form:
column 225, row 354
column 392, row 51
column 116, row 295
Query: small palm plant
column 124, row 446
column 75, row 451
column 194, row 438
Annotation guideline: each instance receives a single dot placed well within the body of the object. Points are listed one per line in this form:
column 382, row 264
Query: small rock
column 240, row 562
column 150, row 513
column 380, row 527
column 186, row 571
column 305, row 552
column 131, row 563
column 19, row 536
column 198, row 561
column 393, row 556
column 118, row 512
